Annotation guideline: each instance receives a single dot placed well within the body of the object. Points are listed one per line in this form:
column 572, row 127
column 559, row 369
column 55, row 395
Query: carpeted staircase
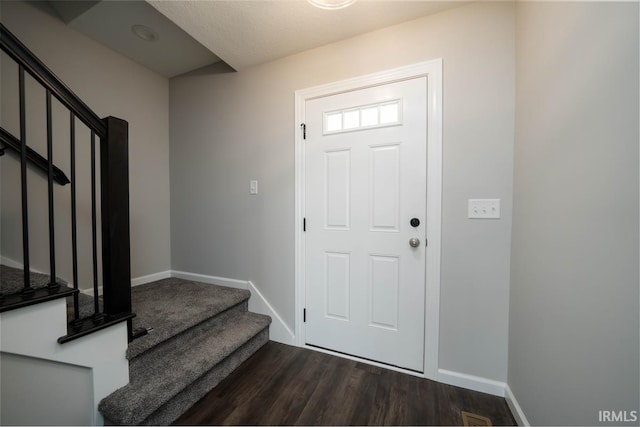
column 200, row 334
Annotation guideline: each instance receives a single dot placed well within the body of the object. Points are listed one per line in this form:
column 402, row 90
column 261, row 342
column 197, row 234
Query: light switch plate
column 484, row 208
column 253, row 187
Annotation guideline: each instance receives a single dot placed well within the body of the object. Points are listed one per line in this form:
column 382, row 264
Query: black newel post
column 114, row 189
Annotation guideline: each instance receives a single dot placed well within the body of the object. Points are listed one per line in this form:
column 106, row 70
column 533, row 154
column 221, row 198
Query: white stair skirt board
column 516, row 410
column 472, row 382
column 103, row 351
column 278, row 330
column 136, row 281
column 16, row 264
column 11, row 263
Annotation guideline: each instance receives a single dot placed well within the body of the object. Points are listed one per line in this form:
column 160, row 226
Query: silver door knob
column 414, row 242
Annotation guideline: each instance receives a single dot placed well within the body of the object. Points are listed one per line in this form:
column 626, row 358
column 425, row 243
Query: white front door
column 365, row 180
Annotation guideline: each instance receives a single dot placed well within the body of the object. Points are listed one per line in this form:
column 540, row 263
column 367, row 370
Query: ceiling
column 194, row 33
column 173, row 52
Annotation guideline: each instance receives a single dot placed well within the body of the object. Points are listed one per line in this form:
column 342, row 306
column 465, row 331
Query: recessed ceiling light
column 144, row 32
column 331, row 4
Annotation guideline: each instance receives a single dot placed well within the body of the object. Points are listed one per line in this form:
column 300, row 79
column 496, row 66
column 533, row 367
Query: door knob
column 414, row 242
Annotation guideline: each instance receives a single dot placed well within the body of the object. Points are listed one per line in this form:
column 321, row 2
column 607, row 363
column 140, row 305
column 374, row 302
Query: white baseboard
column 10, row 263
column 278, row 330
column 90, row 291
column 516, row 410
column 137, row 281
column 472, row 382
column 212, row 280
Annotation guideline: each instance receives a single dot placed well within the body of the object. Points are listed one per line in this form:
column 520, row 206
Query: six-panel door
column 365, row 179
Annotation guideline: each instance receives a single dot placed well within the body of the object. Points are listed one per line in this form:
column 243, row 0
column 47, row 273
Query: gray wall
column 41, row 392
column 111, row 85
column 573, row 337
column 227, row 129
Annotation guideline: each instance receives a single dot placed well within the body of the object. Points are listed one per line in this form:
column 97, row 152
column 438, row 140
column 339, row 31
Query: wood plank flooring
column 284, row 385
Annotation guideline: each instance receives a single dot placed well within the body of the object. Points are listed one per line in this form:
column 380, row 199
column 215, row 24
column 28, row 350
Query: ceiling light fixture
column 332, row 4
column 144, row 32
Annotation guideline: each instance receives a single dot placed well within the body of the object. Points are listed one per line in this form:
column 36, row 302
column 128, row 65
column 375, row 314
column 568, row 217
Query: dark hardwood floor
column 284, row 385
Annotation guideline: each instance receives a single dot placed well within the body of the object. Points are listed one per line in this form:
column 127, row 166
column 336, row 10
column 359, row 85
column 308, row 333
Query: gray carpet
column 171, row 306
column 178, row 405
column 201, row 333
column 12, row 280
column 156, row 381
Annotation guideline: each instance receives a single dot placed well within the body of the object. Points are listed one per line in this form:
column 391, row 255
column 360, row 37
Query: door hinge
column 304, row 224
column 304, row 130
column 304, row 315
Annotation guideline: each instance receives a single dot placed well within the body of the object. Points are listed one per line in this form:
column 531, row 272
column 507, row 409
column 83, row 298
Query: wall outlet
column 253, row 187
column 484, row 208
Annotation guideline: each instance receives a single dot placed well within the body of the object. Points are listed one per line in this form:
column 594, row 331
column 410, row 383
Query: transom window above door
column 388, row 113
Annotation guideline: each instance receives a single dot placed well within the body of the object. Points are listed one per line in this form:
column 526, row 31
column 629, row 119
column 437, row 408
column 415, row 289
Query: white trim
column 150, row 278
column 11, row 263
column 515, row 407
column 102, row 351
column 212, row 280
column 433, row 71
column 434, row 217
column 90, row 291
column 278, row 330
column 472, row 382
column 137, row 281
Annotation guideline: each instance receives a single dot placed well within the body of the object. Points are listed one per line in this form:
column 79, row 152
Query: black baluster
column 52, row 242
column 26, row 290
column 74, row 238
column 96, row 304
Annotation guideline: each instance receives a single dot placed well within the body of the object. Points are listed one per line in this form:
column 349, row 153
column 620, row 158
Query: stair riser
column 203, row 332
column 172, row 306
column 137, row 364
column 175, row 407
column 161, row 379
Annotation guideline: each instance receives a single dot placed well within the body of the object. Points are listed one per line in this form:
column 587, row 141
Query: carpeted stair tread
column 171, row 306
column 171, row 411
column 166, row 350
column 156, row 381
column 12, row 280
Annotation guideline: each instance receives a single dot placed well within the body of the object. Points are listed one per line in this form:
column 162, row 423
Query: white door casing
column 383, row 149
column 365, row 178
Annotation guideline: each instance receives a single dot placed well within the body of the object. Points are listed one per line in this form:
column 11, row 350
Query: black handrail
column 36, row 68
column 111, row 135
column 12, row 142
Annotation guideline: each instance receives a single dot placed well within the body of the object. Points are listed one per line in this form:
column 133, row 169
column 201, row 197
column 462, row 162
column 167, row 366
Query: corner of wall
column 515, row 408
column 278, row 331
column 472, row 382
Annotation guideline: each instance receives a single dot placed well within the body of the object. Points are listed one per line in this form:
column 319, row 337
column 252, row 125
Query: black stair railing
column 112, row 136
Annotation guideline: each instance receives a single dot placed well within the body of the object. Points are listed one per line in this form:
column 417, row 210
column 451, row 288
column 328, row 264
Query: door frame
column 432, row 70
